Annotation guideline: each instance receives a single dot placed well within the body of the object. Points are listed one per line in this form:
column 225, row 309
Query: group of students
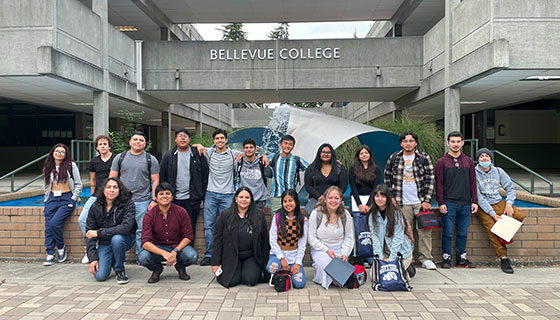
column 135, row 201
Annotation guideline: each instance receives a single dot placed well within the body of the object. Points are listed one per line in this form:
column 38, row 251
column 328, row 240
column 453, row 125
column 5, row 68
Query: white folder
column 506, row 227
column 363, row 199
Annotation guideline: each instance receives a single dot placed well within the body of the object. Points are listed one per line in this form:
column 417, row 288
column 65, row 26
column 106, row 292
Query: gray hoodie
column 251, row 177
column 488, row 188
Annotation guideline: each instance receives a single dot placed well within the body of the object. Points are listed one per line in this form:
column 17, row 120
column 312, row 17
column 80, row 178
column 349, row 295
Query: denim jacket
column 397, row 243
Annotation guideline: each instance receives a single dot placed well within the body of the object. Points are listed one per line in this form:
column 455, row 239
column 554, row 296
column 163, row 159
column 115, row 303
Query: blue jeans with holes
column 84, row 214
column 56, row 211
column 214, row 204
column 141, row 209
column 113, row 255
column 457, row 215
column 274, row 264
column 153, row 261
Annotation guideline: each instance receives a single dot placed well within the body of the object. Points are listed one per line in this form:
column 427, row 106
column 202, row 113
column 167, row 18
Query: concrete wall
column 399, row 59
column 22, row 232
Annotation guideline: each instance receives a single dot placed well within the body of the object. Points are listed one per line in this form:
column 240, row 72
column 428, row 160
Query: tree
column 120, row 138
column 280, row 32
column 308, row 104
column 233, row 32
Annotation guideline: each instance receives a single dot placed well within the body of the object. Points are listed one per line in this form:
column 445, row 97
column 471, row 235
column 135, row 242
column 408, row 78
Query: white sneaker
column 429, row 264
column 85, row 259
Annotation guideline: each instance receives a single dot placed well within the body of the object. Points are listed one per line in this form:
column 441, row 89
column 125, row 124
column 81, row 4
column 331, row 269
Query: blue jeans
column 84, row 214
column 274, row 264
column 214, row 204
column 141, row 209
column 153, row 261
column 458, row 215
column 113, row 255
column 56, row 211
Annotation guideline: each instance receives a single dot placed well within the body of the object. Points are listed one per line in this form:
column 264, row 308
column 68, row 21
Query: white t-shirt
column 409, row 187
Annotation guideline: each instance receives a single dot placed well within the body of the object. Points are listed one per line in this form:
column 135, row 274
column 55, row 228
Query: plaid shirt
column 423, row 175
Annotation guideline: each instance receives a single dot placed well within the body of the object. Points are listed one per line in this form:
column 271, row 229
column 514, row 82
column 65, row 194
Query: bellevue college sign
column 269, row 54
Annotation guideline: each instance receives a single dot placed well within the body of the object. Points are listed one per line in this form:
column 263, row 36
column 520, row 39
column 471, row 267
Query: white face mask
column 485, row 164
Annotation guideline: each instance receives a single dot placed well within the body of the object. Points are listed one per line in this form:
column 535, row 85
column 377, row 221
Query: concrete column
column 165, row 131
column 198, row 128
column 165, row 34
column 100, row 113
column 452, row 112
column 101, row 98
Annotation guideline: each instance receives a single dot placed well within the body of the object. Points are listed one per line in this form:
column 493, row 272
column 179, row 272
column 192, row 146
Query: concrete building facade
column 453, row 61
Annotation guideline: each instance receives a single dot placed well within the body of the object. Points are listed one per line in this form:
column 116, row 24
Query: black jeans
column 247, row 272
column 193, row 209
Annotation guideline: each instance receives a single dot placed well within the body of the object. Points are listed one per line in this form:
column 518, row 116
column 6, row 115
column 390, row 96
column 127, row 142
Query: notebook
column 506, row 227
column 363, row 199
column 339, row 271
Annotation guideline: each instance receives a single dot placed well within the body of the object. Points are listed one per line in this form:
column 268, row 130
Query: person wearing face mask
column 489, row 179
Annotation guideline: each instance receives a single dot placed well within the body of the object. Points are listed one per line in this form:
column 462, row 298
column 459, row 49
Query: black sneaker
column 411, row 271
column 121, row 277
column 206, row 261
column 446, row 263
column 464, row 263
column 505, row 264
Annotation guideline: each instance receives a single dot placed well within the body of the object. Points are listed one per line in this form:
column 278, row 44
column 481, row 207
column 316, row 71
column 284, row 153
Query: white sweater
column 325, row 236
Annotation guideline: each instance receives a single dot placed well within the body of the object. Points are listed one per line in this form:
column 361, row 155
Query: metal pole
column 532, row 183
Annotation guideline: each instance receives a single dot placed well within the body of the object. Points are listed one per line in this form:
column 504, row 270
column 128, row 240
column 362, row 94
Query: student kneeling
column 166, row 234
column 388, row 228
column 110, row 229
column 241, row 245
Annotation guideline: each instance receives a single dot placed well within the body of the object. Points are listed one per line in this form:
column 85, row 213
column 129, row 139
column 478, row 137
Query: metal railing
column 533, row 174
column 12, row 174
column 75, row 151
column 473, row 145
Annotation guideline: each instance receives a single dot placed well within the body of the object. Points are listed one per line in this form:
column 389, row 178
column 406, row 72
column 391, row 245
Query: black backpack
column 240, row 166
column 281, row 280
column 352, row 282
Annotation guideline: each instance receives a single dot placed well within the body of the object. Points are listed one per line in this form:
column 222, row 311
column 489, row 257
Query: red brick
column 5, row 249
column 4, row 218
column 35, row 226
column 538, row 244
column 478, row 243
column 12, row 226
column 4, row 234
column 25, row 234
column 556, row 244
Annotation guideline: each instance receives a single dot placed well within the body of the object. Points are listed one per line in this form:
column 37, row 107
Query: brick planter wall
column 22, row 235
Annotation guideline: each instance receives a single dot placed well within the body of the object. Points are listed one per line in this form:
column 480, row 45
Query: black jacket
column 225, row 251
column 316, row 183
column 198, row 172
column 119, row 220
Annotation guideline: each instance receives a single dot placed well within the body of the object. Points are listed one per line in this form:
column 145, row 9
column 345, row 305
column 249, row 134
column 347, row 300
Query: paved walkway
column 66, row 291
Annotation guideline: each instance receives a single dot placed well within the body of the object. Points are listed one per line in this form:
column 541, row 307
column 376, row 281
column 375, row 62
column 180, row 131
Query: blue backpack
column 390, row 275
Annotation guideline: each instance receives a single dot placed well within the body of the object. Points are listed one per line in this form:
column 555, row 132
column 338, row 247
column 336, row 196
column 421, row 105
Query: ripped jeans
column 274, row 264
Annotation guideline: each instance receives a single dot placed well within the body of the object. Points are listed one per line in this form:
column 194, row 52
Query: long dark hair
column 50, row 166
column 317, row 163
column 282, row 214
column 392, row 212
column 364, row 176
column 252, row 215
column 123, row 197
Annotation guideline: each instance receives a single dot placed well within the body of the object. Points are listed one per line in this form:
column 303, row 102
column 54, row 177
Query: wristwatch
column 176, row 250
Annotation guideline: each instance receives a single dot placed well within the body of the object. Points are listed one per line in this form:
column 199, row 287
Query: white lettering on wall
column 270, row 54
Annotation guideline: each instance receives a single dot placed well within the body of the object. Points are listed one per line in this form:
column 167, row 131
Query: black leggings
column 246, row 272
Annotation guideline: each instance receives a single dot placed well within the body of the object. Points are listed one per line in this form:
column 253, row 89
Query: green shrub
column 121, row 138
column 346, row 151
column 430, row 137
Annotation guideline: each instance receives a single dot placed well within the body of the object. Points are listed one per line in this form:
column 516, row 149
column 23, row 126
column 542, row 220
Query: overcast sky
column 315, row 30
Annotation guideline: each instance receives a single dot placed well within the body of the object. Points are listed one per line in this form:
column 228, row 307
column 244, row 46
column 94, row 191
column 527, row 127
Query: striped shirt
column 284, row 173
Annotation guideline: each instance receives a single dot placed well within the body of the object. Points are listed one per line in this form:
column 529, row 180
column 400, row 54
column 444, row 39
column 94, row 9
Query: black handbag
column 428, row 220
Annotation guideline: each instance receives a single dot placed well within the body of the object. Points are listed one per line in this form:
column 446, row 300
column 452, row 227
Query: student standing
column 187, row 171
column 139, row 172
column 457, row 198
column 253, row 173
column 62, row 190
column 409, row 174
